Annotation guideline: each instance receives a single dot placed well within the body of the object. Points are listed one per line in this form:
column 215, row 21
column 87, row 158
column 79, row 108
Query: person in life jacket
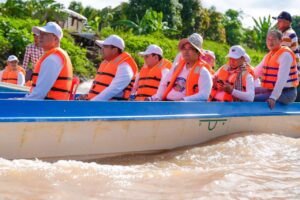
column 53, row 73
column 233, row 81
column 116, row 74
column 210, row 58
column 251, row 70
column 189, row 79
column 278, row 72
column 13, row 73
column 154, row 70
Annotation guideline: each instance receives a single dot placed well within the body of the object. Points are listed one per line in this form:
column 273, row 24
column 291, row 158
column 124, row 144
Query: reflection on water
column 240, row 166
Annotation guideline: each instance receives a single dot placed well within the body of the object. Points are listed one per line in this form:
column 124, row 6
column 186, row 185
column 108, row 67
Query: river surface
column 241, row 166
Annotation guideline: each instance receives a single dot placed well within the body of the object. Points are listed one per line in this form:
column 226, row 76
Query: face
column 109, row 52
column 282, row 24
column 151, row 60
column 273, row 43
column 235, row 63
column 36, row 39
column 48, row 41
column 189, row 53
column 13, row 64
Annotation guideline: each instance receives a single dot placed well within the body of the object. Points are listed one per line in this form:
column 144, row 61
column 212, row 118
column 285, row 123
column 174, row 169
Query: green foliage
column 150, row 23
column 233, row 27
column 81, row 65
column 296, row 25
column 261, row 28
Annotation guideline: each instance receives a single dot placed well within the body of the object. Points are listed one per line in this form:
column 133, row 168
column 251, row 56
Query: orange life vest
column 226, row 76
column 192, row 78
column 205, row 64
column 11, row 76
column 61, row 87
column 271, row 67
column 106, row 73
column 149, row 79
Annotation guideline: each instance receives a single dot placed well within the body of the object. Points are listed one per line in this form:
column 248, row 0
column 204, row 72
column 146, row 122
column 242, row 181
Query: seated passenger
column 278, row 72
column 116, row 74
column 189, row 79
column 210, row 58
column 154, row 70
column 53, row 73
column 13, row 73
column 233, row 81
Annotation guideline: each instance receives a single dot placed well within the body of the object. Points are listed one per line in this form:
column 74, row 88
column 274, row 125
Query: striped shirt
column 33, row 54
column 290, row 39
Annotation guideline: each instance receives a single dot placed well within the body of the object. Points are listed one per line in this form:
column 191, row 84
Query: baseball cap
column 236, row 52
column 113, row 40
column 284, row 15
column 12, row 58
column 152, row 49
column 210, row 53
column 195, row 40
column 50, row 27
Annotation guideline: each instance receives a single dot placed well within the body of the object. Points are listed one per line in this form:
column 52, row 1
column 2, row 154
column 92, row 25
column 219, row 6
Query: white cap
column 152, row 49
column 113, row 40
column 236, row 52
column 247, row 58
column 210, row 53
column 51, row 27
column 12, row 58
column 195, row 40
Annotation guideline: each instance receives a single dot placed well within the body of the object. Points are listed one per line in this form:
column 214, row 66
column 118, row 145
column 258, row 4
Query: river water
column 241, row 166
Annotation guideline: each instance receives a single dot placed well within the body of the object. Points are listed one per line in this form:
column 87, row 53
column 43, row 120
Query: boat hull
column 95, row 139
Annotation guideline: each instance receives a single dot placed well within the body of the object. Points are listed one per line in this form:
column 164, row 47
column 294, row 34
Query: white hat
column 113, row 40
column 211, row 53
column 152, row 49
column 51, row 27
column 236, row 52
column 12, row 58
column 195, row 40
column 247, row 58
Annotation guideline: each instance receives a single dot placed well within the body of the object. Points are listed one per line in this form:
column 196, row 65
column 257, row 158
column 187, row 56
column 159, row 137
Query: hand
column 228, row 88
column 82, row 97
column 271, row 103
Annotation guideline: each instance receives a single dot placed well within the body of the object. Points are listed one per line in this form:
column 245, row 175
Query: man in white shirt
column 278, row 70
column 154, row 70
column 233, row 82
column 53, row 73
column 116, row 74
column 13, row 73
column 189, row 79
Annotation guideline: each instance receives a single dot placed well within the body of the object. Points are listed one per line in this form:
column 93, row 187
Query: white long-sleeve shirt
column 204, row 85
column 122, row 78
column 48, row 74
column 21, row 78
column 247, row 95
column 164, row 73
column 285, row 62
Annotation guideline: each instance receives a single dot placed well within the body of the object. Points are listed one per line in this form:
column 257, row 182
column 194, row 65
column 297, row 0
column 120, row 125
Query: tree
column 151, row 22
column 296, row 25
column 170, row 8
column 233, row 27
column 76, row 6
column 216, row 30
column 261, row 28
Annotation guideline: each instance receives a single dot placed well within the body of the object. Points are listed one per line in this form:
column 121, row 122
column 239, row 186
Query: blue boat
column 84, row 130
column 8, row 87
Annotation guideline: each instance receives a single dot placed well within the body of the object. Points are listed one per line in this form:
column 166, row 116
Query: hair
column 159, row 56
column 275, row 33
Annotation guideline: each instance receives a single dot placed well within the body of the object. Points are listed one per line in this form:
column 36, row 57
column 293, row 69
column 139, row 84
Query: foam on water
column 261, row 166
